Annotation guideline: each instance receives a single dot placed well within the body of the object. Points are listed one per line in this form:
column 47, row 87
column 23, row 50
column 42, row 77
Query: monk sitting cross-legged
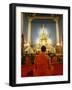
column 41, row 64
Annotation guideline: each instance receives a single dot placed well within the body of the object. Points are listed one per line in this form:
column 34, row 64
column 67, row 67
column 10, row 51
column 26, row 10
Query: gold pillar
column 22, row 34
column 29, row 30
column 57, row 32
column 22, row 24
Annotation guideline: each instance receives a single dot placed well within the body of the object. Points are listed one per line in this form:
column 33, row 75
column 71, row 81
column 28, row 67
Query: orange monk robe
column 27, row 68
column 41, row 65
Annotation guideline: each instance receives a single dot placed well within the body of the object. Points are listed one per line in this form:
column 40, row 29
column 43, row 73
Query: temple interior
column 42, row 30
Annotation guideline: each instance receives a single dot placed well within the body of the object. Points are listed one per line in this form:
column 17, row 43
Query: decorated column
column 22, row 24
column 29, row 30
column 57, row 32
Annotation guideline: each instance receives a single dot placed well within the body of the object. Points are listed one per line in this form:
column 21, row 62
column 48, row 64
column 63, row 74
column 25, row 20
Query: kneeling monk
column 41, row 64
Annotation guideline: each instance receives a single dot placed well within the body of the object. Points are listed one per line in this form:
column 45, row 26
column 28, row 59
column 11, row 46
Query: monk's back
column 41, row 64
column 42, row 60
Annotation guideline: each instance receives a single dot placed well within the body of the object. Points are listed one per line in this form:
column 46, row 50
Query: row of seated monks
column 42, row 65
